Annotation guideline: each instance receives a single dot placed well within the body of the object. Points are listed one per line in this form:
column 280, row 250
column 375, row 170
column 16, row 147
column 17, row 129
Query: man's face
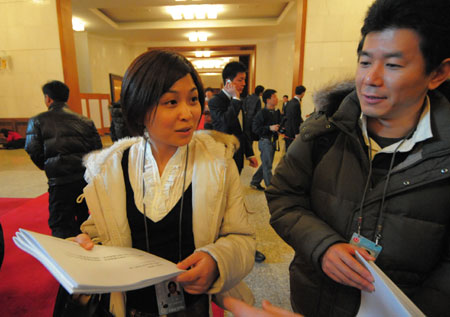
column 272, row 101
column 390, row 78
column 239, row 82
column 285, row 99
column 209, row 94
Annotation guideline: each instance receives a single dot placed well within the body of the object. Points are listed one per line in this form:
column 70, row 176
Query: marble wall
column 332, row 36
column 29, row 37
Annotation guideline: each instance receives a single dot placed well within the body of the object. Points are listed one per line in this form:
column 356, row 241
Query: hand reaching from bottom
column 241, row 309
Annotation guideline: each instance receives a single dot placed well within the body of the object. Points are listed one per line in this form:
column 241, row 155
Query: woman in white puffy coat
column 170, row 191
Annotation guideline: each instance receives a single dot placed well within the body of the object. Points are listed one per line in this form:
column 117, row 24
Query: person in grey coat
column 374, row 165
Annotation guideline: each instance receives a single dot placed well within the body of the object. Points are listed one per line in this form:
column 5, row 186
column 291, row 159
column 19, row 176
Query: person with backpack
column 370, row 173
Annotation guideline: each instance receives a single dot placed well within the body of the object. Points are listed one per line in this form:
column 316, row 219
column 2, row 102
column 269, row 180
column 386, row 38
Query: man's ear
column 48, row 100
column 439, row 75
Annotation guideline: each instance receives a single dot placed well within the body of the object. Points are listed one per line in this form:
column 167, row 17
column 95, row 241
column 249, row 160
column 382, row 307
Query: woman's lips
column 184, row 130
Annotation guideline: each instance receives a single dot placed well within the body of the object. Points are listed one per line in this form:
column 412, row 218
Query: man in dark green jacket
column 375, row 164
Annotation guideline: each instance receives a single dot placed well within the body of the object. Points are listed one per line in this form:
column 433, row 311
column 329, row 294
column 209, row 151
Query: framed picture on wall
column 115, row 84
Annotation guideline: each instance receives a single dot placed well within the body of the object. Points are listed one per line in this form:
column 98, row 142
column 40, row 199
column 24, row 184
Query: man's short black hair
column 259, row 89
column 286, row 96
column 267, row 94
column 299, row 90
column 209, row 89
column 429, row 18
column 232, row 69
column 56, row 90
column 149, row 77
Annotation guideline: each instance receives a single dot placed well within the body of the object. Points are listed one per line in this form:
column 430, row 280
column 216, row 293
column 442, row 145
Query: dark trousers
column 239, row 159
column 267, row 149
column 66, row 215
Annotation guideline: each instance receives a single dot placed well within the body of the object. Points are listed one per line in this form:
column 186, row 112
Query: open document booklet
column 103, row 269
column 387, row 299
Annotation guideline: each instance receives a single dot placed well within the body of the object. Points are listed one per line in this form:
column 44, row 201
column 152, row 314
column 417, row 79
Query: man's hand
column 274, row 127
column 202, row 273
column 253, row 161
column 84, row 240
column 340, row 264
column 241, row 309
column 231, row 90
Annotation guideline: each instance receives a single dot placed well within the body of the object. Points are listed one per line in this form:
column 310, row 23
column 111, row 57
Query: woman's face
column 173, row 121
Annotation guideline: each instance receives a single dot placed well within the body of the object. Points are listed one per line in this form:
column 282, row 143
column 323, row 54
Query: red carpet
column 26, row 287
column 8, row 204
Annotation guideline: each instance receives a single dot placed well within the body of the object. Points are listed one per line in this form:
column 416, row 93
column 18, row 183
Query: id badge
column 366, row 244
column 170, row 297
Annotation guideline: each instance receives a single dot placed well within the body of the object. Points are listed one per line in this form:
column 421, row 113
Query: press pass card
column 170, row 297
column 370, row 246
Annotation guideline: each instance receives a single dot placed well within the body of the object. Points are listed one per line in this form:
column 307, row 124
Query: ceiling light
column 202, row 36
column 200, row 11
column 208, row 63
column 193, row 37
column 78, row 24
column 202, row 53
column 198, row 36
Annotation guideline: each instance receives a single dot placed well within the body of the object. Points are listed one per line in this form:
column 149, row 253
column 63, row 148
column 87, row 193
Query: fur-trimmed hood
column 328, row 99
column 217, row 144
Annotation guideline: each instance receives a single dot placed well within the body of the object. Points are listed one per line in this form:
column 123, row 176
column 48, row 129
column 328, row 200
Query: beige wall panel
column 29, row 36
column 332, row 36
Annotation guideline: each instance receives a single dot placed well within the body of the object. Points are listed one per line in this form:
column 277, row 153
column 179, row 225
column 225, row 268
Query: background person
column 170, row 191
column 376, row 168
column 266, row 125
column 293, row 116
column 56, row 141
column 251, row 106
column 13, row 139
column 227, row 113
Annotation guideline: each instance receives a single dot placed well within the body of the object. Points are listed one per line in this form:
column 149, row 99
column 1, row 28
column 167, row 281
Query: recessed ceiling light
column 198, row 36
column 200, row 11
column 78, row 24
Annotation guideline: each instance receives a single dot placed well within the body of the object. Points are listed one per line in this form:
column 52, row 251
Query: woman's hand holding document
column 95, row 269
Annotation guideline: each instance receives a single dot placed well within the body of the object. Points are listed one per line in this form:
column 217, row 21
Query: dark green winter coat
column 314, row 201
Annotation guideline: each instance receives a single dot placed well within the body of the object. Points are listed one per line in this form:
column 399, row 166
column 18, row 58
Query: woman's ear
column 439, row 75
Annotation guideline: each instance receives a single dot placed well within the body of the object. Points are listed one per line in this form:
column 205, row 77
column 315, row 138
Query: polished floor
column 19, row 178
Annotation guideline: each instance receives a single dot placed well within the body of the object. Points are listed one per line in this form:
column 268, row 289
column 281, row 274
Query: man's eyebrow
column 387, row 55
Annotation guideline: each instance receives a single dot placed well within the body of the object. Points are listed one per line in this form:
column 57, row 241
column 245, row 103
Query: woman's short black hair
column 148, row 77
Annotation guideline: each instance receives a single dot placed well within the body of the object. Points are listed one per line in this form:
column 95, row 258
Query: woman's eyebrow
column 176, row 91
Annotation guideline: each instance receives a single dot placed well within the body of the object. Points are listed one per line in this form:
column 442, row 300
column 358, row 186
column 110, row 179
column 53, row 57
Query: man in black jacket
column 374, row 167
column 293, row 116
column 227, row 116
column 266, row 124
column 56, row 141
column 252, row 105
column 227, row 113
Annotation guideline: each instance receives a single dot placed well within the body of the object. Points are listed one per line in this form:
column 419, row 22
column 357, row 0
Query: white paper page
column 387, row 299
column 104, row 268
column 59, row 276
